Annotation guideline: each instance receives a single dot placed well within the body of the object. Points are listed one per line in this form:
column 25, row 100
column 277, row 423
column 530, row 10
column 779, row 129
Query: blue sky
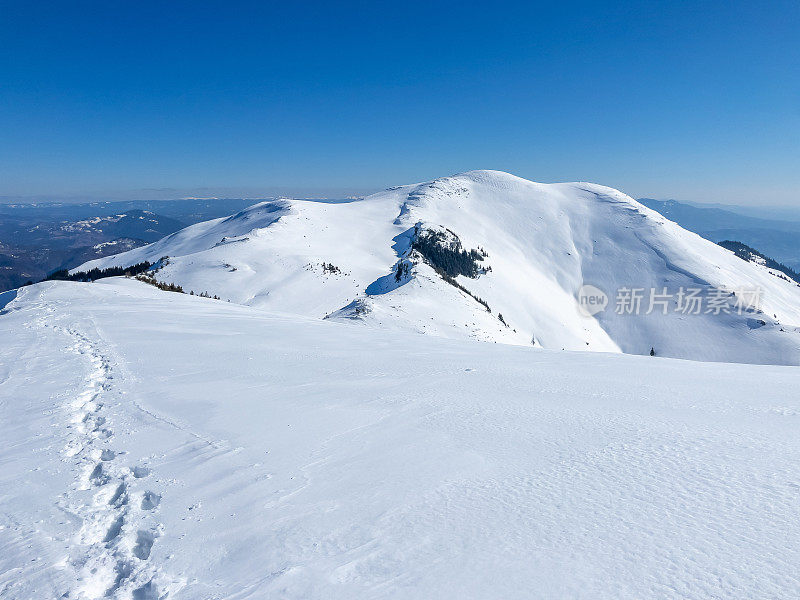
column 697, row 101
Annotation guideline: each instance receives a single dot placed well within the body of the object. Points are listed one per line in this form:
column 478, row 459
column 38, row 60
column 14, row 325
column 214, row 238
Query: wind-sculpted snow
column 158, row 445
column 542, row 244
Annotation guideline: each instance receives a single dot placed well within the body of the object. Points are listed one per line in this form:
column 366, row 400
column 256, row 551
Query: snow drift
column 159, row 445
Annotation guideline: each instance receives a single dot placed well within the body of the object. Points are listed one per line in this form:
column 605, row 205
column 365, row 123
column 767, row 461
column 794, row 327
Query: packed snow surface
column 159, row 445
column 542, row 243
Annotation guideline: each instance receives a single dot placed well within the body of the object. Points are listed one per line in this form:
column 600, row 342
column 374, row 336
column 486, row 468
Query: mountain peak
column 527, row 249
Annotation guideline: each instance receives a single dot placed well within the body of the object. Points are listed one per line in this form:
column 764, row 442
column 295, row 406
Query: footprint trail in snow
column 111, row 553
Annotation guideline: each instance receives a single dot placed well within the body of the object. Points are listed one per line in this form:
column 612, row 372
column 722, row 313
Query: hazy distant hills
column 38, row 238
column 779, row 239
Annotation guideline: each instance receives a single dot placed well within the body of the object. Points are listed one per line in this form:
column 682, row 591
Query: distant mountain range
column 777, row 238
column 39, row 238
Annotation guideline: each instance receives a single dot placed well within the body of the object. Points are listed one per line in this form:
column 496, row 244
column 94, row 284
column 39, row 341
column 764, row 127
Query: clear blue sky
column 691, row 100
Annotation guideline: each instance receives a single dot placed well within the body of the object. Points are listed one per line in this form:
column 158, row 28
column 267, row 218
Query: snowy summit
column 523, row 252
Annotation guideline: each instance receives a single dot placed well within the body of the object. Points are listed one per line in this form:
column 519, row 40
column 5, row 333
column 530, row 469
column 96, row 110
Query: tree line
column 94, row 274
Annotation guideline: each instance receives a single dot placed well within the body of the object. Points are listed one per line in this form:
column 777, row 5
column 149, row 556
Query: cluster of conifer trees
column 331, row 268
column 746, row 252
column 93, row 274
column 447, row 257
column 167, row 287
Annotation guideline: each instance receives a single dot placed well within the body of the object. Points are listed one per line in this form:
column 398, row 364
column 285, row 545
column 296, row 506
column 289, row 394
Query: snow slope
column 161, row 445
column 543, row 243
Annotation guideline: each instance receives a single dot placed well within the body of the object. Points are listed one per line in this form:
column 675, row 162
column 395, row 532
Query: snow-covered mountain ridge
column 538, row 244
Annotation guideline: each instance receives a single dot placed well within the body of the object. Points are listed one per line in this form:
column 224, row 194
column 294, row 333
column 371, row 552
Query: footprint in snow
column 120, row 496
column 148, row 591
column 114, row 529
column 97, row 476
column 139, row 472
column 144, row 544
column 150, row 500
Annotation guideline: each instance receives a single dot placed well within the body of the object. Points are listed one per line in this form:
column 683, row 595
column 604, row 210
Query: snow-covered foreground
column 159, row 444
